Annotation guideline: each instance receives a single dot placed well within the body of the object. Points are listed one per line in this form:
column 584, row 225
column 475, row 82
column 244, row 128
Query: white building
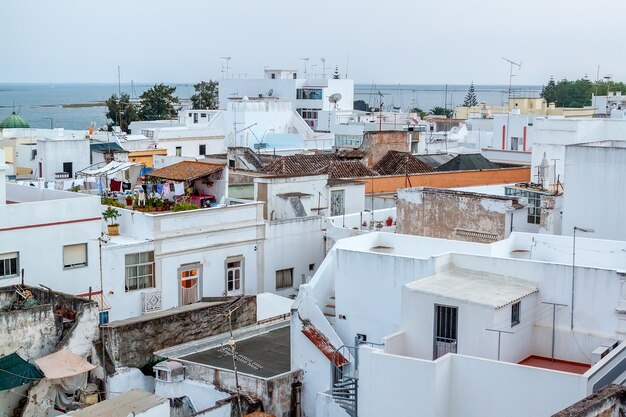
column 52, row 236
column 308, row 96
column 417, row 298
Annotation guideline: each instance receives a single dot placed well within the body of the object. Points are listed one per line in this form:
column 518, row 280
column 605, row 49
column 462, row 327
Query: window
column 195, row 117
column 336, row 202
column 202, row 149
column 284, row 278
column 9, row 264
column 104, row 317
column 295, row 75
column 534, row 203
column 445, row 330
column 308, row 114
column 515, row 317
column 75, row 256
column 203, row 115
column 309, row 93
column 311, row 267
column 67, row 168
column 273, row 76
column 33, row 154
column 233, row 276
column 179, row 151
column 514, row 143
column 139, row 270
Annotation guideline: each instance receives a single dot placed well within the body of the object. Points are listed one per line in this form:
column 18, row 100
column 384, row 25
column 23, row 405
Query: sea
column 79, row 106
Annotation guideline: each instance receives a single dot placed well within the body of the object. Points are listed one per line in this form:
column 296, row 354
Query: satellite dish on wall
column 334, row 98
column 270, row 93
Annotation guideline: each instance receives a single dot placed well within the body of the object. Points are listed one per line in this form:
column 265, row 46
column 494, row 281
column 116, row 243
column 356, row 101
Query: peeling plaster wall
column 377, row 144
column 439, row 213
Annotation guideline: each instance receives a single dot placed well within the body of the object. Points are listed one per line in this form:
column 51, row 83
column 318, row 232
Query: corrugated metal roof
column 468, row 162
column 435, row 160
column 401, row 163
column 186, row 171
column 130, row 402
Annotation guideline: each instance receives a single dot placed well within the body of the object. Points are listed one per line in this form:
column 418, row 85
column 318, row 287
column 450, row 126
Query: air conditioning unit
column 151, row 301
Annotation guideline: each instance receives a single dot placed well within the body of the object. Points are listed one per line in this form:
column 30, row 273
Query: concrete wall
column 275, row 393
column 53, row 153
column 458, row 385
column 132, row 342
column 377, row 144
column 450, row 179
column 592, row 197
column 453, row 214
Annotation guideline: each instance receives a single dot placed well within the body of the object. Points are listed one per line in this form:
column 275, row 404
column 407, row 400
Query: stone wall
column 610, row 401
column 452, row 214
column 133, row 342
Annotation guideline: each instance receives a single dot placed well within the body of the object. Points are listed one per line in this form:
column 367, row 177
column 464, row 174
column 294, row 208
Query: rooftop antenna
column 324, row 68
column 347, row 63
column 333, row 99
column 508, row 112
column 306, row 60
column 226, row 64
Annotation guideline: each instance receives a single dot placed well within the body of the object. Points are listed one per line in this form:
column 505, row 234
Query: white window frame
column 129, row 267
column 5, row 258
column 231, row 267
column 179, row 151
column 284, row 278
column 67, row 264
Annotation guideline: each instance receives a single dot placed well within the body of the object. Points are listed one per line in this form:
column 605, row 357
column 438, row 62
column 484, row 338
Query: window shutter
column 75, row 255
column 10, row 255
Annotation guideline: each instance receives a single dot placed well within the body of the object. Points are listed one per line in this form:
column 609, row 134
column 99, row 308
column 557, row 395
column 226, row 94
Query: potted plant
column 389, row 221
column 110, row 215
column 129, row 199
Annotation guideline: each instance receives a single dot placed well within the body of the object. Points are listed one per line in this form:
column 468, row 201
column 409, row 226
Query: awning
column 63, row 364
column 106, row 147
column 109, row 169
column 15, row 371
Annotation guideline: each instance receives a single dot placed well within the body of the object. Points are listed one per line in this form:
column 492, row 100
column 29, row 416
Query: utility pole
column 306, row 61
column 119, row 98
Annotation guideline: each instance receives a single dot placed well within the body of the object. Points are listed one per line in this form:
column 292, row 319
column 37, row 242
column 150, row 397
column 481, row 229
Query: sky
column 394, row 42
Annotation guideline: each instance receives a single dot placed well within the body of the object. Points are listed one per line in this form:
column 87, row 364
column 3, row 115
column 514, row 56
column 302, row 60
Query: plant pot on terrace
column 110, row 215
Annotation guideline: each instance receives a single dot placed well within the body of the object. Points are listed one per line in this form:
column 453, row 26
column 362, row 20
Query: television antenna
column 225, row 64
column 508, row 101
column 306, row 61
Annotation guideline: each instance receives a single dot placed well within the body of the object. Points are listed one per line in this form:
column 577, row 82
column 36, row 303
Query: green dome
column 13, row 122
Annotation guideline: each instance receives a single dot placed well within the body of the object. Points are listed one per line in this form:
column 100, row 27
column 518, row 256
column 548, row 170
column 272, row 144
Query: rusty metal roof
column 323, row 344
column 186, row 171
column 401, row 163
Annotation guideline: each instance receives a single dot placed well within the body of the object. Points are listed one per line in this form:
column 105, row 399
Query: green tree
column 336, row 75
column 421, row 113
column 206, row 96
column 470, row 97
column 120, row 105
column 441, row 111
column 158, row 103
column 548, row 92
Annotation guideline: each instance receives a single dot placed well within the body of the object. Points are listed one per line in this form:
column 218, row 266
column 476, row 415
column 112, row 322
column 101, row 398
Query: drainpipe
column 296, row 393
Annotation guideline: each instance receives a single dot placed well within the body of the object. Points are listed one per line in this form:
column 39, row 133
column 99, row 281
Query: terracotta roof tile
column 318, row 164
column 401, row 163
column 348, row 169
column 323, row 344
column 186, row 171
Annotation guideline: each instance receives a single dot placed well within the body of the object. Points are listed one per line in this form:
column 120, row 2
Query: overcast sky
column 406, row 41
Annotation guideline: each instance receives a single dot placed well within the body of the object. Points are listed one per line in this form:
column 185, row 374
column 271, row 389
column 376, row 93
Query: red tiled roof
column 351, row 154
column 186, row 171
column 323, row 344
column 318, row 164
column 401, row 163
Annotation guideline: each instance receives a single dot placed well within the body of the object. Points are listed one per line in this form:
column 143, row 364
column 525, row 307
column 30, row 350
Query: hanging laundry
column 166, row 188
column 67, row 184
column 159, row 188
column 79, row 182
column 179, row 188
column 115, row 185
column 126, row 186
column 50, row 185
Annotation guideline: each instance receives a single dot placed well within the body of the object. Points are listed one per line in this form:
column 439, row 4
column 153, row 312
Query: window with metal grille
column 515, row 314
column 284, row 278
column 445, row 337
column 9, row 264
column 139, row 270
column 75, row 256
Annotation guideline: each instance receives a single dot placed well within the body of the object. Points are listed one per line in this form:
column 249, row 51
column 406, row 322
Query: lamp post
column 51, row 121
column 584, row 230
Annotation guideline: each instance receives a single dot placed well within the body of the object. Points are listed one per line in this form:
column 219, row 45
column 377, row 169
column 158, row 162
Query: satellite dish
column 269, row 93
column 334, row 98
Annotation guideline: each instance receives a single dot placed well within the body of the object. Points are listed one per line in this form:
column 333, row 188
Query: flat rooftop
column 265, row 355
column 130, row 402
column 556, row 364
column 489, row 290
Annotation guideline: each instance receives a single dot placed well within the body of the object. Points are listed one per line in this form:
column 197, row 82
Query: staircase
column 344, row 379
column 329, row 311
